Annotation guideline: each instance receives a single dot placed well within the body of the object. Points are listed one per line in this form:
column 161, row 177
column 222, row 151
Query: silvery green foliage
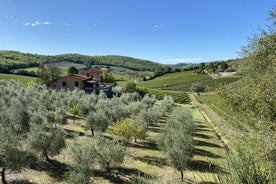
column 148, row 101
column 97, row 120
column 177, row 140
column 118, row 91
column 45, row 140
column 135, row 107
column 110, row 152
column 150, row 116
column 83, row 157
column 167, row 102
column 12, row 156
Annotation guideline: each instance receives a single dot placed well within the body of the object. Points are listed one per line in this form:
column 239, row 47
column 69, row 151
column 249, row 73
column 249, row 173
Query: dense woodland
column 11, row 60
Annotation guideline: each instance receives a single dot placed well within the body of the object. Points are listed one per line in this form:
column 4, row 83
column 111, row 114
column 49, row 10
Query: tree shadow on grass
column 208, row 144
column 205, row 153
column 119, row 174
column 207, row 182
column 200, row 125
column 144, row 145
column 157, row 161
column 203, row 166
column 56, row 170
column 21, row 182
column 154, row 129
column 204, row 129
column 203, row 136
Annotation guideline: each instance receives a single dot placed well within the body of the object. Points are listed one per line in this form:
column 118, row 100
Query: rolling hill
column 10, row 60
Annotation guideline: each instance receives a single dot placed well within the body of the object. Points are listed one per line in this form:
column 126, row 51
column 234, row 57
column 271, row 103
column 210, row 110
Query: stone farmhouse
column 89, row 81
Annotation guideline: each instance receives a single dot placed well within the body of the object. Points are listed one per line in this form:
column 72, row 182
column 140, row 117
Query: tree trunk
column 135, row 139
column 92, row 132
column 74, row 118
column 3, row 178
column 49, row 160
column 182, row 176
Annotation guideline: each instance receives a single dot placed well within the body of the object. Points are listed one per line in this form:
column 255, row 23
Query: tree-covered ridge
column 11, row 60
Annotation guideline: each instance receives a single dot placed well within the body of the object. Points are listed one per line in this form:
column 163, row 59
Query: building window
column 63, row 83
column 76, row 84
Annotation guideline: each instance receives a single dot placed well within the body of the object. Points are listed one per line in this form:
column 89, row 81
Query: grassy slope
column 145, row 158
column 23, row 79
column 183, row 81
column 124, row 74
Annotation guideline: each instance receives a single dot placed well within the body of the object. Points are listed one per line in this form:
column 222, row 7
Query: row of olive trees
column 143, row 116
column 29, row 125
column 31, row 119
column 177, row 141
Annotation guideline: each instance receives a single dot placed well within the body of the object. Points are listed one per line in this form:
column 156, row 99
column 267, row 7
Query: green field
column 23, row 79
column 124, row 74
column 183, row 81
column 181, row 98
column 31, row 69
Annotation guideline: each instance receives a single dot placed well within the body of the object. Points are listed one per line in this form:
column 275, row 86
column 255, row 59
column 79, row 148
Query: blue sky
column 164, row 31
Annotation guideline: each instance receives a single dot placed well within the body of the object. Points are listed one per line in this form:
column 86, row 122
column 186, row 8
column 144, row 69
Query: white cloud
column 37, row 23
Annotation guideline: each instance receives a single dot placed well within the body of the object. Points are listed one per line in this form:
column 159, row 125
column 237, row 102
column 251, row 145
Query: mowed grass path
column 144, row 158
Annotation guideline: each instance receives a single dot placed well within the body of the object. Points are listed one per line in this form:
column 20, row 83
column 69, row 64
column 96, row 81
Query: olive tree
column 47, row 141
column 11, row 151
column 110, row 152
column 177, row 141
column 83, row 157
column 97, row 120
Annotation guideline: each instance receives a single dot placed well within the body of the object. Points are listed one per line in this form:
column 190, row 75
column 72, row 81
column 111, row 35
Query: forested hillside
column 11, row 60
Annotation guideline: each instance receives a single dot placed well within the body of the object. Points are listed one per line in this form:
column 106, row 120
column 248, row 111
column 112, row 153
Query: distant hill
column 182, row 64
column 10, row 60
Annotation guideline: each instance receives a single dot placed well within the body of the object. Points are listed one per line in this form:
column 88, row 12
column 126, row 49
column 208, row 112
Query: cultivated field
column 23, row 79
column 183, row 81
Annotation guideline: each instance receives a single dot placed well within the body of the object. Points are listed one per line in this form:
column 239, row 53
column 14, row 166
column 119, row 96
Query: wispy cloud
column 37, row 23
column 67, row 24
column 182, row 60
column 159, row 26
column 9, row 17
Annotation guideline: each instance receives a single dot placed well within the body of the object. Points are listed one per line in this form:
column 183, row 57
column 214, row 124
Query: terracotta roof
column 80, row 76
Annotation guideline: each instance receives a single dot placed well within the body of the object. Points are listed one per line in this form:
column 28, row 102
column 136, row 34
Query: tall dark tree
column 72, row 70
column 48, row 74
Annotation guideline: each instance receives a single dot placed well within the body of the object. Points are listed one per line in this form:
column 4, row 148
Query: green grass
column 65, row 65
column 183, row 81
column 181, row 98
column 23, row 79
column 123, row 74
column 31, row 69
